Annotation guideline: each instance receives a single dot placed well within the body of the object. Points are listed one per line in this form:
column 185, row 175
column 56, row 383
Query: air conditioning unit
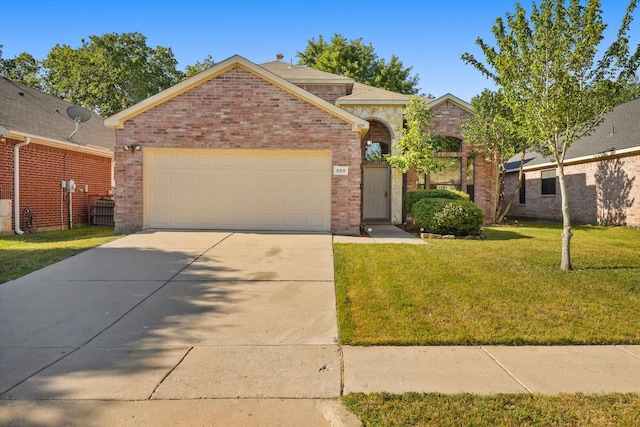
column 5, row 214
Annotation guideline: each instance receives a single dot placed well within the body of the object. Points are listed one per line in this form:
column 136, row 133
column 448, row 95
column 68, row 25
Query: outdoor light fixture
column 132, row 147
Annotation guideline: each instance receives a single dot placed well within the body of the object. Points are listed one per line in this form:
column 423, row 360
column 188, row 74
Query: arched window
column 375, row 152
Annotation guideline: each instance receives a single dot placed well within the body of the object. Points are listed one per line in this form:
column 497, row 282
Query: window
column 375, row 152
column 548, row 182
column 449, row 174
column 523, row 190
column 471, row 163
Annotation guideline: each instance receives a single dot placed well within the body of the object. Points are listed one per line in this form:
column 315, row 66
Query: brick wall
column 326, row 92
column 238, row 110
column 602, row 192
column 41, row 170
column 378, row 132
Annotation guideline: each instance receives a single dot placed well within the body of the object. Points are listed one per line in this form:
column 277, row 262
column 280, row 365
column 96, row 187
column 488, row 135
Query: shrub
column 460, row 217
column 413, row 196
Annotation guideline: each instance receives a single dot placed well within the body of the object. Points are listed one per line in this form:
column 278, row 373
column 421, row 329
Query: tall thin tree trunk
column 565, row 262
column 496, row 196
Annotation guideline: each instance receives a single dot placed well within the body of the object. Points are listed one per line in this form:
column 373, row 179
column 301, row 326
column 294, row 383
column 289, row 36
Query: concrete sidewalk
column 492, row 369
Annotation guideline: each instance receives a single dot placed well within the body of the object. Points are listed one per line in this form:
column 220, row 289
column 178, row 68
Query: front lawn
column 20, row 255
column 413, row 409
column 507, row 289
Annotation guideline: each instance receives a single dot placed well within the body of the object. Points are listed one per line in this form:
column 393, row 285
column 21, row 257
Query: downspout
column 16, row 184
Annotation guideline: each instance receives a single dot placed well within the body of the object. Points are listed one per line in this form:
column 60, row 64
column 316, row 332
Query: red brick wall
column 238, row 110
column 378, row 132
column 41, row 170
column 326, row 92
column 447, row 121
column 600, row 192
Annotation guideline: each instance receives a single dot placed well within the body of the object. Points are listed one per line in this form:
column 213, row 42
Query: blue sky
column 429, row 35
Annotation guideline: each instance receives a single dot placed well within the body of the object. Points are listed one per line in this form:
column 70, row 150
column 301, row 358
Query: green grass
column 20, row 255
column 413, row 409
column 506, row 290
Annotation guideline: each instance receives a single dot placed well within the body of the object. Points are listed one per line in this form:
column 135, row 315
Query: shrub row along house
column 275, row 147
column 43, row 149
column 600, row 172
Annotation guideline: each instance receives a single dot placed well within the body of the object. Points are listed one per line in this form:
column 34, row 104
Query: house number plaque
column 341, row 170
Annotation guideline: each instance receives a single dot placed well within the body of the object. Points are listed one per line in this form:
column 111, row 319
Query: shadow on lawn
column 504, row 234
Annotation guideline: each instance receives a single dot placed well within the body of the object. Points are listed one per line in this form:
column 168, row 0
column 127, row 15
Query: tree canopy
column 199, row 66
column 111, row 72
column 106, row 73
column 353, row 58
column 23, row 68
column 548, row 68
column 415, row 147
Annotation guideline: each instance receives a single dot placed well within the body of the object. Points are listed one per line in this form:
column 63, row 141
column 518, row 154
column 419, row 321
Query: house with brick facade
column 600, row 171
column 270, row 147
column 41, row 146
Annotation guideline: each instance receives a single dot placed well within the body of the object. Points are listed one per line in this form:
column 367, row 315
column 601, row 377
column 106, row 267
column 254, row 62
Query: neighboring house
column 600, row 171
column 265, row 147
column 38, row 136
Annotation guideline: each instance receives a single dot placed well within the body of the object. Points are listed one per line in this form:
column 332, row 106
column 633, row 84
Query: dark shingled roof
column 27, row 110
column 620, row 130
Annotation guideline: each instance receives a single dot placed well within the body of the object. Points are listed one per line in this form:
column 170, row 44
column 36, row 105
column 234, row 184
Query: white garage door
column 238, row 189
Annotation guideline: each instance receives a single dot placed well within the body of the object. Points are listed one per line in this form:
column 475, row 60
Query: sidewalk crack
column 155, row 389
column 504, row 368
column 627, row 351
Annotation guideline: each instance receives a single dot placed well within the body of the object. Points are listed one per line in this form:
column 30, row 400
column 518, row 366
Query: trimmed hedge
column 460, row 217
column 411, row 197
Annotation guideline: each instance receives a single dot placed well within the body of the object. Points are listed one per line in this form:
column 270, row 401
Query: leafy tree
column 547, row 68
column 415, row 147
column 23, row 68
column 359, row 61
column 111, row 72
column 192, row 70
column 493, row 132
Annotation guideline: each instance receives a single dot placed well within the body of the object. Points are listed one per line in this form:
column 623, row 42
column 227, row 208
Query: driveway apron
column 165, row 315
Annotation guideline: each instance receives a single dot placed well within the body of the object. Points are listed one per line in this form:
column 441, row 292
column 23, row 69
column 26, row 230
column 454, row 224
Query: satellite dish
column 79, row 115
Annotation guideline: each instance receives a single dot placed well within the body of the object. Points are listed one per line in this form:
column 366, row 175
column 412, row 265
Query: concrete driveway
column 167, row 324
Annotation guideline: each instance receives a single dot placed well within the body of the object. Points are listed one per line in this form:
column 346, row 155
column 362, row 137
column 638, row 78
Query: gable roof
column 357, row 93
column 27, row 112
column 451, row 98
column 117, row 120
column 619, row 133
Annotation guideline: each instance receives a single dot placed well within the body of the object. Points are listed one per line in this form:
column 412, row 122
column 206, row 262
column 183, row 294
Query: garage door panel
column 238, row 189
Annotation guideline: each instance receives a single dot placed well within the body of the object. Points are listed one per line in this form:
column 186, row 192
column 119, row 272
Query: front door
column 376, row 192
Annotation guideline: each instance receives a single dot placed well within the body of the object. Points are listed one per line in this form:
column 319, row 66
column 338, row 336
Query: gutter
column 16, row 184
column 40, row 140
column 607, row 154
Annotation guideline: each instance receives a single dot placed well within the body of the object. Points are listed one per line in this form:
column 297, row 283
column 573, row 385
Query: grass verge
column 414, row 409
column 20, row 255
column 505, row 290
